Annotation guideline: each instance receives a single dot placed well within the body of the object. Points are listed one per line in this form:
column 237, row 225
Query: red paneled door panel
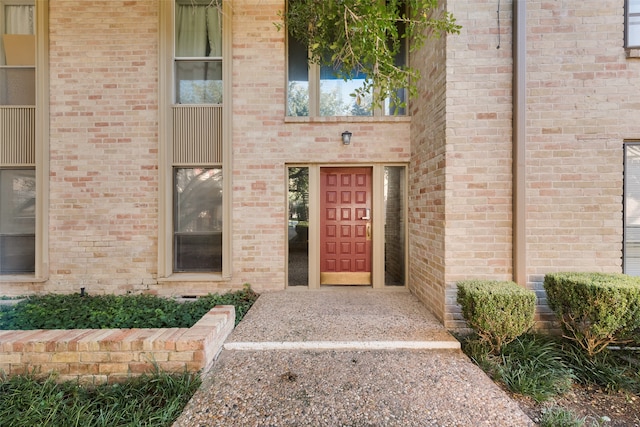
column 345, row 224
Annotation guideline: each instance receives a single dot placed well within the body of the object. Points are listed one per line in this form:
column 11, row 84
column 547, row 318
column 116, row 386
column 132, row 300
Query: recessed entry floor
column 341, row 314
column 284, row 365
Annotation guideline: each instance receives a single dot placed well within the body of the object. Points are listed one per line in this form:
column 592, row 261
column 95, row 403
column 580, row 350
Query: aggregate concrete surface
column 393, row 365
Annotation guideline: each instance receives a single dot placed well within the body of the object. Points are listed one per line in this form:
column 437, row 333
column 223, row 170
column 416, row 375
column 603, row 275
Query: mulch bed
column 592, row 403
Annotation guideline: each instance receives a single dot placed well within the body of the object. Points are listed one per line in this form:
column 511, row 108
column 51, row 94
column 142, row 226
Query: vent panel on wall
column 17, row 136
column 197, row 134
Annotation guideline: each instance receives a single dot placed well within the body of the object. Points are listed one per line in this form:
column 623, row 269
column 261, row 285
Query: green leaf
column 367, row 36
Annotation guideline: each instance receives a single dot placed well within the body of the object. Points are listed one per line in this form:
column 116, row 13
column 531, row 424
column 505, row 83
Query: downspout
column 519, row 256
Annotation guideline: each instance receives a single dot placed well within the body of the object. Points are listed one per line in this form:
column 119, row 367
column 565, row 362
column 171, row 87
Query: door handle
column 368, row 215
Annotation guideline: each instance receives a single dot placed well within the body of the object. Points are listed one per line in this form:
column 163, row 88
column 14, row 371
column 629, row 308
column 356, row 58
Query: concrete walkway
column 346, row 357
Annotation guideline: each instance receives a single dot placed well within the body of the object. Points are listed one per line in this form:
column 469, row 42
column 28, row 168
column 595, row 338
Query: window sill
column 348, row 119
column 633, row 52
column 194, row 277
column 22, row 278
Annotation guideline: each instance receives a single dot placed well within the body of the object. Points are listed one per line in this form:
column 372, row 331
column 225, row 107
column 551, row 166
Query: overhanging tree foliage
column 354, row 36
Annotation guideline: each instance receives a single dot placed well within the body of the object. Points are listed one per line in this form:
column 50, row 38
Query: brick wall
column 264, row 142
column 478, row 160
column 426, row 178
column 103, row 145
column 103, row 222
column 580, row 109
column 109, row 355
column 582, row 105
column 460, row 176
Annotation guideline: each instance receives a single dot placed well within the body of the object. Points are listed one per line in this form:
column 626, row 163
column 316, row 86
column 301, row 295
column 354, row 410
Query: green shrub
column 556, row 416
column 499, row 312
column 117, row 311
column 595, row 309
column 634, row 339
column 612, row 370
column 531, row 365
column 149, row 400
column 480, row 352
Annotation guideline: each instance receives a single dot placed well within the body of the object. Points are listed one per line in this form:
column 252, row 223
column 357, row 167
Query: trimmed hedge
column 595, row 309
column 498, row 311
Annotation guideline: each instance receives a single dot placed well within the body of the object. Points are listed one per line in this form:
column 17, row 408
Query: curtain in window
column 17, row 85
column 198, row 31
column 19, row 20
column 198, row 34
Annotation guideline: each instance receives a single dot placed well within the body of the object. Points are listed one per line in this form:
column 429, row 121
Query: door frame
column 377, row 222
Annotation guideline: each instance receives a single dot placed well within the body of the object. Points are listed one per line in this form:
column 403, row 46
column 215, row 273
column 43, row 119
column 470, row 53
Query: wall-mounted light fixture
column 346, row 137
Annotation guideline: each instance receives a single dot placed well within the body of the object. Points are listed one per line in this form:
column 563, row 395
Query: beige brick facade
column 103, row 145
column 581, row 105
column 466, row 157
column 581, row 86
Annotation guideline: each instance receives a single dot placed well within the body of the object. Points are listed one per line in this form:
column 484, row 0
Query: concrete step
column 340, row 319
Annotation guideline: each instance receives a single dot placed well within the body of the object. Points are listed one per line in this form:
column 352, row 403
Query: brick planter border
column 111, row 355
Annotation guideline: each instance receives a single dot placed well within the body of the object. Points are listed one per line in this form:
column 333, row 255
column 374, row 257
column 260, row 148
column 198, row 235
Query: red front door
column 345, row 224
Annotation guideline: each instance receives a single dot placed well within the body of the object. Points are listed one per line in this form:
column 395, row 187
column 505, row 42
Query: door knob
column 367, row 216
